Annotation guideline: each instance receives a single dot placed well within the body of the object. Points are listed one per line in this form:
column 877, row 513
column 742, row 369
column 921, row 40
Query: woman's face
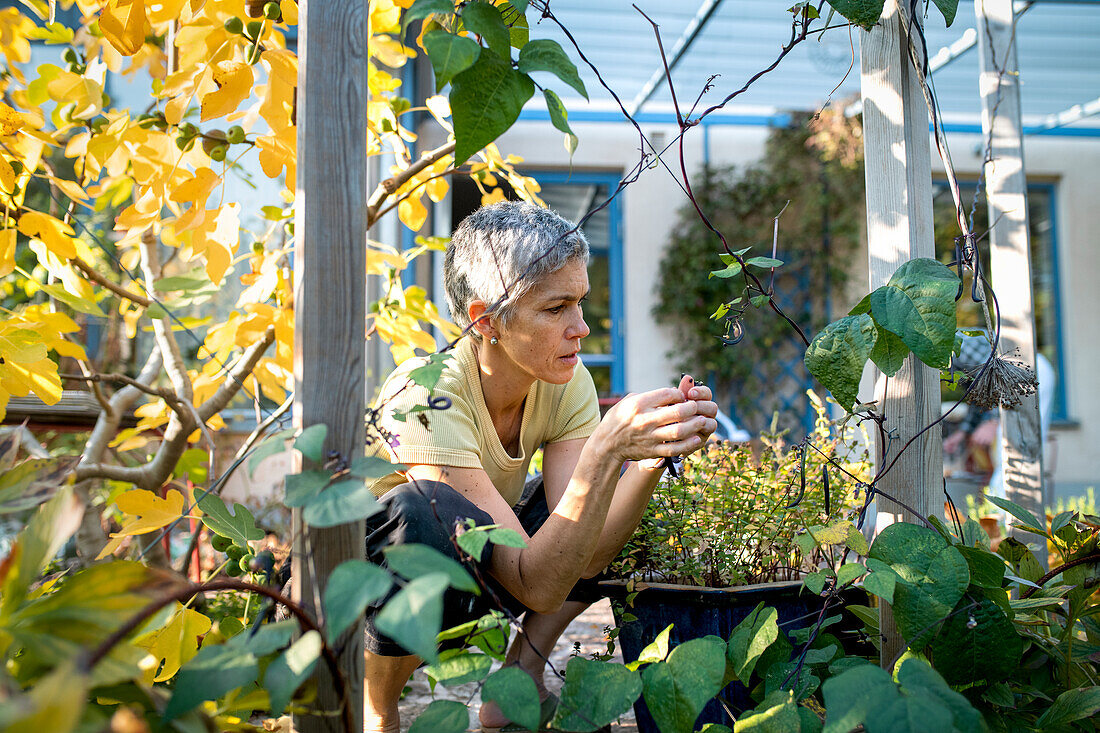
column 544, row 335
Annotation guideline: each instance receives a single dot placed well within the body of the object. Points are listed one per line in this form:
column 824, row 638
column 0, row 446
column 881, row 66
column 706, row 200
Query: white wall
column 1073, row 165
column 650, row 208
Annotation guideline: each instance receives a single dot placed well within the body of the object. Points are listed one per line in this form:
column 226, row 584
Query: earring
column 494, row 341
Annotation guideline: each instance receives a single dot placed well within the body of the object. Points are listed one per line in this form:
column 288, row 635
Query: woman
column 515, row 384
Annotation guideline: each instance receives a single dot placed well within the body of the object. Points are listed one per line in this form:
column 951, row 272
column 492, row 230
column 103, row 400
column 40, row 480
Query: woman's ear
column 482, row 322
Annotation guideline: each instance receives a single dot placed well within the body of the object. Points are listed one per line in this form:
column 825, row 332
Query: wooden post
column 1010, row 261
column 330, row 298
column 899, row 228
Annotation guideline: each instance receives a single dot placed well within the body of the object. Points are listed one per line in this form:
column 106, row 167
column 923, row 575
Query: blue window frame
column 573, row 194
column 1045, row 277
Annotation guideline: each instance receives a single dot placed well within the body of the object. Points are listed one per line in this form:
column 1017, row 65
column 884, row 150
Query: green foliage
column 514, row 691
column 734, row 518
column 914, row 311
column 581, row 710
column 815, row 170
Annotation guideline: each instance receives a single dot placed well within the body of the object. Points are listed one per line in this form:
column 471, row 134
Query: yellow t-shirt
column 463, row 435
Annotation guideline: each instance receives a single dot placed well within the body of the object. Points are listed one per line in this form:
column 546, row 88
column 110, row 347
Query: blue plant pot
column 695, row 612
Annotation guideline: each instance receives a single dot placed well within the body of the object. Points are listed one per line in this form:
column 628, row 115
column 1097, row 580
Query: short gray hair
column 510, row 242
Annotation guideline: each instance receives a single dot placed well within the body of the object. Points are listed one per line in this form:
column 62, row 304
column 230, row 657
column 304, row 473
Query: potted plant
column 731, row 533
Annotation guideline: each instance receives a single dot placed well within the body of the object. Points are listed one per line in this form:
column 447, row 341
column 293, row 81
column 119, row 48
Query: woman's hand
column 658, row 424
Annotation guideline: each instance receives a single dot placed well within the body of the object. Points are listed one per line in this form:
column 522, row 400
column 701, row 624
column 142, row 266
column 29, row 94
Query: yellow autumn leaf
column 412, row 213
column 216, row 240
column 7, row 177
column 175, row 644
column 234, row 80
column 283, row 65
column 195, row 190
column 123, row 25
column 7, row 251
column 277, row 151
column 147, row 512
column 54, row 233
column 10, row 120
column 86, row 95
column 437, row 189
column 494, row 196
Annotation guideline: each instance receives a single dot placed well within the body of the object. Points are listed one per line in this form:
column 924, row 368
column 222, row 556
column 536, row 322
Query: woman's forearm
column 561, row 550
column 632, row 494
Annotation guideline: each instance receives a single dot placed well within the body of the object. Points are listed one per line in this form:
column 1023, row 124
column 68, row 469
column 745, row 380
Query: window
column 1041, row 201
column 573, row 194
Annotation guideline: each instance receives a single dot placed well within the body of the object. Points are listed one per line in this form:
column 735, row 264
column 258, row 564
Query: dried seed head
column 1005, row 381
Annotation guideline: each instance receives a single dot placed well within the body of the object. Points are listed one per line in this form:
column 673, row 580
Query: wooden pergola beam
column 1009, row 256
column 899, row 228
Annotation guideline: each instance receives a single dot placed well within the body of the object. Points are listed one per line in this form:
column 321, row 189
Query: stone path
column 587, row 631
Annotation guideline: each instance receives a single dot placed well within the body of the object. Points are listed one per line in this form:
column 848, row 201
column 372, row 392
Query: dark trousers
column 427, row 513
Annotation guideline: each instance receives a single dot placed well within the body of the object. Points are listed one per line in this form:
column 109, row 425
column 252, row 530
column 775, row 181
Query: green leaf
column 749, row 639
column 889, row 351
column 1060, row 521
column 520, row 5
column 933, row 575
column 267, row 639
column 986, row 569
column 852, row 695
column 269, row 446
column 458, row 666
column 849, row 572
column 428, row 374
column 759, row 300
column 374, row 467
column 414, row 615
column 864, row 13
column 918, row 679
column 909, row 715
column 514, row 691
column 240, row 526
column 656, row 650
column 581, row 710
column 473, row 542
column 948, row 8
column 34, row 481
column 78, row 304
column 423, row 8
column 559, row 117
column 1071, row 705
column 214, row 671
column 545, row 54
column 194, row 280
column 345, row 501
column 881, row 584
column 519, row 30
column 506, row 537
column 732, row 270
column 1018, row 511
column 918, row 305
column 977, row 645
column 311, row 442
column 764, row 262
column 485, row 20
column 412, row 561
column 450, row 55
column 302, row 488
column 815, row 582
column 777, row 714
column 485, row 101
column 352, row 586
column 676, row 690
column 782, row 676
column 442, row 716
column 291, row 669
column 837, row 354
column 49, row 528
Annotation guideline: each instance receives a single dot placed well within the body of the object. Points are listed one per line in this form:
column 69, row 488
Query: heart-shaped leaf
column 579, row 709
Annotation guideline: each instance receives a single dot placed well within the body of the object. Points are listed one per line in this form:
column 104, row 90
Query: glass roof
column 1058, row 53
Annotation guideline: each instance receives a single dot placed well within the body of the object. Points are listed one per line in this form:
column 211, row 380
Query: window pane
column 601, row 375
column 1043, row 274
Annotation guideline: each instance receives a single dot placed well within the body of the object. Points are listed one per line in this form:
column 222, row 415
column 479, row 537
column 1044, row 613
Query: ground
column 587, row 631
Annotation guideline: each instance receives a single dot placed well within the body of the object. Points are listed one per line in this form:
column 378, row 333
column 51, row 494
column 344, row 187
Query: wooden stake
column 1010, row 260
column 899, row 228
column 330, row 298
